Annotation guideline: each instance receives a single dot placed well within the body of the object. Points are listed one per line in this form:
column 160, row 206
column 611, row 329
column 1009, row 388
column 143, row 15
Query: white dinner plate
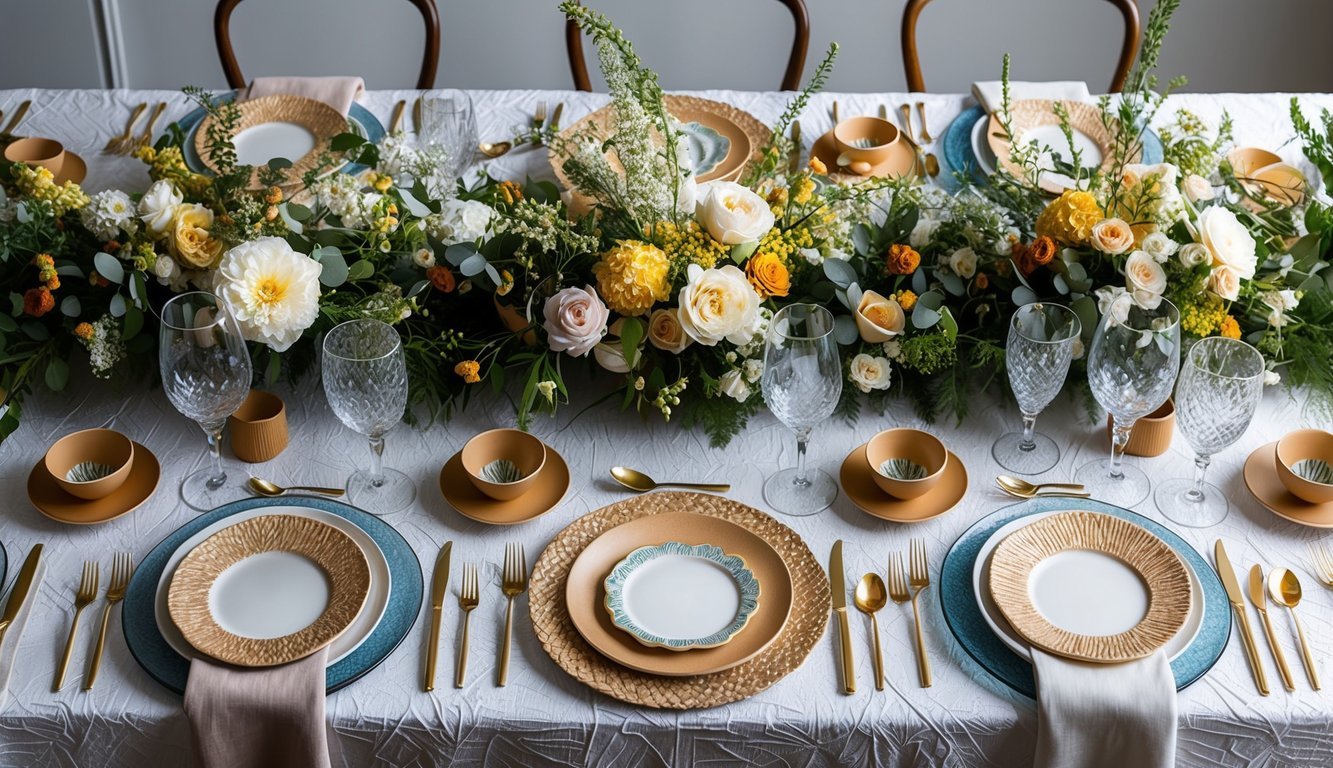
column 1120, row 611
column 259, row 144
column 981, row 146
column 348, row 641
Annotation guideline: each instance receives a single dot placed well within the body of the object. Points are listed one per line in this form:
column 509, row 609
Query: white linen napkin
column 337, row 92
column 990, row 93
column 10, row 647
column 1111, row 715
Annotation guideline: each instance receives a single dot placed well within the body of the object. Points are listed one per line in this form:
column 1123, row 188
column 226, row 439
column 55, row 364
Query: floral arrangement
column 665, row 283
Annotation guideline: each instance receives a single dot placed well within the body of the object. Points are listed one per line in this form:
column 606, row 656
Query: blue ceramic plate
column 964, row 617
column 959, row 155
column 170, row 669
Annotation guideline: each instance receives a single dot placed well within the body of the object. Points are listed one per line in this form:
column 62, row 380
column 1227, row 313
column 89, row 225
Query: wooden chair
column 791, row 79
column 1128, row 48
column 430, row 58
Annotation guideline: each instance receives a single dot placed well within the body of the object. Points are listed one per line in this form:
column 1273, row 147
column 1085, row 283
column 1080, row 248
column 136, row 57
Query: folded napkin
column 337, row 92
column 990, row 93
column 9, row 649
column 260, row 717
column 1112, row 715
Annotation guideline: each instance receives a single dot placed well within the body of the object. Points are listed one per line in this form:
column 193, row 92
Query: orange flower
column 768, row 275
column 1038, row 253
column 469, row 370
column 981, row 281
column 274, row 195
column 906, row 299
column 38, row 301
column 53, row 283
column 1230, row 328
column 97, row 281
column 510, row 192
column 84, row 331
column 903, row 259
column 818, row 166
column 441, row 278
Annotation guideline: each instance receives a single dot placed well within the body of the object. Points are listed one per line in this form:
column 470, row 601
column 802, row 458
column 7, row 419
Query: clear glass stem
column 377, row 461
column 1027, row 444
column 1119, row 439
column 802, row 437
column 1201, row 463
column 213, row 430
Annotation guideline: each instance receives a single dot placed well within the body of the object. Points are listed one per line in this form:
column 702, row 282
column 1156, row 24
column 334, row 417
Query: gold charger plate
column 1267, row 488
column 1157, row 565
column 858, row 482
column 901, row 164
column 52, row 500
column 334, row 552
column 323, row 122
column 585, row 593
column 1027, row 114
column 545, row 495
column 562, row 641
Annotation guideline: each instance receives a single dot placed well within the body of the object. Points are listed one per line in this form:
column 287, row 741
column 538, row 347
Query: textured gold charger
column 556, row 631
column 1157, row 565
column 332, row 550
column 1028, row 114
column 323, row 122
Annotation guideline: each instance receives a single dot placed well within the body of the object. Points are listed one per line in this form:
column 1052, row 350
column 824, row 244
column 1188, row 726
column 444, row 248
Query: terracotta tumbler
column 259, row 427
column 1151, row 435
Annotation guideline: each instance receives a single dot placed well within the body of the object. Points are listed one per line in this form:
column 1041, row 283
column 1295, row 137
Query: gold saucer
column 52, row 500
column 859, row 485
column 902, row 163
column 549, row 488
column 1267, row 488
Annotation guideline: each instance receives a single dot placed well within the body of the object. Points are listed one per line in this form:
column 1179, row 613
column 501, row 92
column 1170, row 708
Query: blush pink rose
column 575, row 320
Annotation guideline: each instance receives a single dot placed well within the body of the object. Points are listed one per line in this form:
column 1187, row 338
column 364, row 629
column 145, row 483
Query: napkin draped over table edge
column 14, row 635
column 337, row 92
column 990, row 93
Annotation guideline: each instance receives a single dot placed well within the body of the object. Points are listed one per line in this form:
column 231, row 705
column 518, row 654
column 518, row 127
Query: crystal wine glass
column 206, row 374
column 1037, row 355
column 802, row 382
column 1132, row 367
column 448, row 122
column 365, row 381
column 1221, row 382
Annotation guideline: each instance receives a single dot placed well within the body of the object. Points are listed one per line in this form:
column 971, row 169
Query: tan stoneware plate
column 1031, row 113
column 52, row 500
column 548, row 488
column 858, row 482
column 334, row 552
column 321, row 120
column 585, row 595
column 1160, row 569
column 1267, row 488
column 901, row 162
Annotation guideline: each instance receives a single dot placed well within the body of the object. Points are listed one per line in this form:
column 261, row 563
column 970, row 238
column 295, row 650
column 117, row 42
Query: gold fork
column 538, row 121
column 146, row 137
column 117, row 143
column 82, row 599
column 1323, row 563
column 468, row 598
column 921, row 114
column 121, row 570
column 898, row 591
column 513, row 583
column 920, row 580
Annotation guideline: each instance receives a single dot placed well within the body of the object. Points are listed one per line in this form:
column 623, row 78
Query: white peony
column 869, row 373
column 1159, row 246
column 733, row 214
column 963, row 262
column 107, row 214
column 463, row 221
column 1197, row 188
column 1227, row 240
column 157, row 207
column 271, row 289
column 1225, row 282
column 733, row 384
column 718, row 304
column 1145, row 279
column 1192, row 255
column 922, row 232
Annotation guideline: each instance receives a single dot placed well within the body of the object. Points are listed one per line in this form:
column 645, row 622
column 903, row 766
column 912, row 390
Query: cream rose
column 1197, row 188
column 733, row 214
column 1114, row 303
column 575, row 320
column 665, row 333
column 869, row 373
column 963, row 262
column 1145, row 278
column 1225, row 282
column 1158, row 246
column 1112, row 236
column 1227, row 240
column 189, row 237
column 878, row 319
column 733, row 384
column 718, row 304
column 1192, row 255
column 157, row 207
column 272, row 290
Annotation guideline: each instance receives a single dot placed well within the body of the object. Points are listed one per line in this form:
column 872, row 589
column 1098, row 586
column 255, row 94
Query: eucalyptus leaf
column 57, row 374
column 21, row 213
column 1023, row 295
column 473, row 265
column 70, row 306
column 919, row 281
column 334, row 267
column 69, row 270
column 116, row 306
column 345, row 141
column 417, row 208
column 951, row 282
column 840, row 272
column 109, row 266
column 7, row 324
column 132, row 324
column 292, row 223
column 34, row 330
column 861, row 238
column 923, row 317
column 1060, row 284
column 458, row 253
column 297, row 211
column 360, row 270
column 844, row 330
column 279, row 164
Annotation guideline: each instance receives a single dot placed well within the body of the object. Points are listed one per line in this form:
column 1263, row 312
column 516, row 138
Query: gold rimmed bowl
column 906, row 463
column 503, row 463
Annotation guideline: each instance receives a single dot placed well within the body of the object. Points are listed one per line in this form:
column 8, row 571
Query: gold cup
column 1313, row 445
column 259, row 427
column 864, row 142
column 105, row 448
column 527, row 453
column 920, row 448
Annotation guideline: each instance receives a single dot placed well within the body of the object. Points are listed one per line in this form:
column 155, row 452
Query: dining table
column 544, row 716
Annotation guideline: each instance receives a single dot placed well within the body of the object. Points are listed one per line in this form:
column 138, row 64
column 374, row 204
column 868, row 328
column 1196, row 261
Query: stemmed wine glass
column 1220, row 385
column 1132, row 367
column 1037, row 355
column 365, row 382
column 206, row 373
column 802, row 382
column 448, row 122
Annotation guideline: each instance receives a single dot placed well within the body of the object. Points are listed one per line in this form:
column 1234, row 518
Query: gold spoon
column 1025, row 490
column 1285, row 589
column 932, row 165
column 870, row 597
column 495, row 150
column 265, row 488
column 635, row 480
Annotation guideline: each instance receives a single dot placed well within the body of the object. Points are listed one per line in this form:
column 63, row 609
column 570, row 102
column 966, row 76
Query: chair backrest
column 1128, row 47
column 430, row 57
column 791, row 79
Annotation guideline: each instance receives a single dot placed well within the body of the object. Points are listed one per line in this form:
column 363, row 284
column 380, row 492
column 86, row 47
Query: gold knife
column 19, row 593
column 397, row 118
column 1260, row 599
column 18, row 117
column 839, row 590
column 1237, row 599
column 416, row 116
column 439, row 587
column 554, row 125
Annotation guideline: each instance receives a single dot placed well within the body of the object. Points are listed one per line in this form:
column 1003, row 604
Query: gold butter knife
column 1237, row 600
column 439, row 588
column 554, row 125
column 397, row 118
column 18, row 117
column 839, row 590
column 416, row 115
column 17, row 595
column 1260, row 599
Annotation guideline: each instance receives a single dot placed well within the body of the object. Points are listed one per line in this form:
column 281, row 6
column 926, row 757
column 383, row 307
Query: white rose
column 963, row 262
column 1272, row 378
column 424, row 258
column 575, row 320
column 272, row 290
column 1145, row 278
column 1112, row 236
column 665, row 333
column 1225, row 282
column 464, row 220
column 1192, row 255
column 1197, row 188
column 753, row 370
column 157, row 207
column 1114, row 303
column 733, row 214
column 1227, row 240
column 1159, row 246
column 718, row 304
column 733, row 385
column 922, row 232
column 869, row 373
column 610, row 353
column 1278, row 302
column 164, row 268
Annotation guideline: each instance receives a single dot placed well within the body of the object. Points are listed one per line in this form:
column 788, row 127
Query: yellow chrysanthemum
column 84, row 331
column 1069, row 218
column 469, row 370
column 906, row 299
column 1230, row 328
column 632, row 276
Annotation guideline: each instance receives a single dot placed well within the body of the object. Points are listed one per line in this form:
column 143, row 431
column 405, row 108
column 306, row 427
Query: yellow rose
column 1113, row 236
column 768, row 275
column 665, row 333
column 189, row 238
column 878, row 319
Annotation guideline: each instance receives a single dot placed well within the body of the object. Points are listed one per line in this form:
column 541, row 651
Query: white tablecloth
column 543, row 717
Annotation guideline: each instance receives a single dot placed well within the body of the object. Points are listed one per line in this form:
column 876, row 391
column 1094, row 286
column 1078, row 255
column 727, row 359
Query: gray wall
column 1223, row 45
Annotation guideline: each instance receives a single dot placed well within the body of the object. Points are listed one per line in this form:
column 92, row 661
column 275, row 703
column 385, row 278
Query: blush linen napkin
column 990, row 94
column 337, row 92
column 269, row 717
column 1105, row 715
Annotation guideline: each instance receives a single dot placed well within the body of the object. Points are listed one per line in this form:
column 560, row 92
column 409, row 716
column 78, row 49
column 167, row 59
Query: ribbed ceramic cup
column 259, row 427
column 1151, row 435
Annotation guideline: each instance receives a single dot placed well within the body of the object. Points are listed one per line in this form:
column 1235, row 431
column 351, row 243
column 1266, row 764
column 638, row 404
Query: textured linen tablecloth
column 544, row 717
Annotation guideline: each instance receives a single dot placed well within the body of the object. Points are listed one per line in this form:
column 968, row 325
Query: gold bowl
column 487, row 457
column 91, row 464
column 906, row 448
